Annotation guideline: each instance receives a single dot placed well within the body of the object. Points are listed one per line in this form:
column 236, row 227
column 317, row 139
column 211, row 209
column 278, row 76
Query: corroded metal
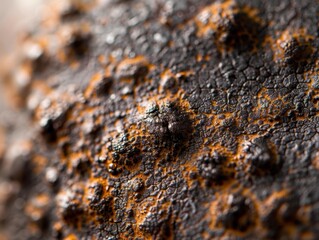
column 163, row 120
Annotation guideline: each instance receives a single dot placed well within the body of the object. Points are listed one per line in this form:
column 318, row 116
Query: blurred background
column 15, row 16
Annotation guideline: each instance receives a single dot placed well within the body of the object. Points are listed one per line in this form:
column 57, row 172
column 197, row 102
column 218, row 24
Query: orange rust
column 36, row 208
column 300, row 35
column 214, row 11
column 222, row 10
column 220, row 205
column 102, row 59
column 40, row 86
column 3, row 237
column 90, row 90
column 40, row 163
column 134, row 61
column 71, row 237
column 199, row 58
column 208, row 20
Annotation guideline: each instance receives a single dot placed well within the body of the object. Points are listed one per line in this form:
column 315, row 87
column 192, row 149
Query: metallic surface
column 163, row 120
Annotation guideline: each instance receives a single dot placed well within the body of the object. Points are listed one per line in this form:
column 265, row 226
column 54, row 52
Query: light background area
column 16, row 16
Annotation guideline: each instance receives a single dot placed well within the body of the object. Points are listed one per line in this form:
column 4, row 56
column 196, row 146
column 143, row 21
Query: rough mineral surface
column 166, row 119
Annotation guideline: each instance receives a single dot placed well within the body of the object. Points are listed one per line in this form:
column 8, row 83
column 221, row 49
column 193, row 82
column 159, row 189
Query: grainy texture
column 190, row 119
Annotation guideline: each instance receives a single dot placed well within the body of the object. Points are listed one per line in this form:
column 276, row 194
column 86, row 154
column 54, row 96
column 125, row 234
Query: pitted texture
column 164, row 120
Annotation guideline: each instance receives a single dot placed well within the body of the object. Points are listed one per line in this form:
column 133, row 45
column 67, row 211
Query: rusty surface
column 190, row 119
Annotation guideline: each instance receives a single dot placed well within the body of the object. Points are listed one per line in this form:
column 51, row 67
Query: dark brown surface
column 163, row 120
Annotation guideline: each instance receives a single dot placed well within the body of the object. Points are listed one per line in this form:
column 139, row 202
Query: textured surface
column 163, row 120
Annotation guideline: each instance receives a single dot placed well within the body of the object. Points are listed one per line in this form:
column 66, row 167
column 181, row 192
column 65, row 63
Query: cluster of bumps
column 163, row 119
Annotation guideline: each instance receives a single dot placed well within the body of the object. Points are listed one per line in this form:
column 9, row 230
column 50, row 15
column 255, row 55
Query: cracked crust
column 164, row 120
